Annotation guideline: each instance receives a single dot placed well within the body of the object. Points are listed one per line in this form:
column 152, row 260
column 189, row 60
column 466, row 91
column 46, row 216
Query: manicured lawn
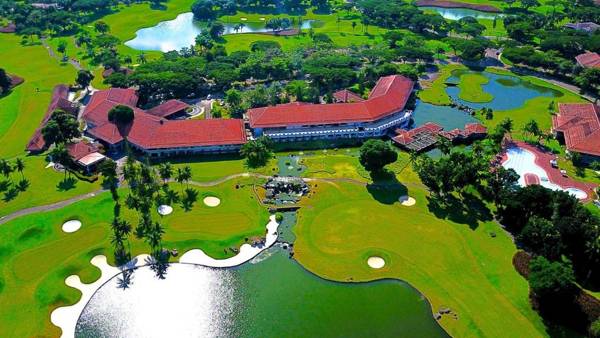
column 46, row 186
column 436, row 92
column 471, row 89
column 22, row 110
column 36, row 256
column 453, row 264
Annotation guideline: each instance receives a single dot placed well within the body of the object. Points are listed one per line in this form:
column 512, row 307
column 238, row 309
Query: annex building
column 578, row 126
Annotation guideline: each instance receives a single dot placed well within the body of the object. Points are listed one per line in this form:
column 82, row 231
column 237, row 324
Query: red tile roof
column 102, row 101
column 389, row 96
column 407, row 136
column 59, row 100
column 347, row 96
column 589, row 60
column 168, row 108
column 580, row 124
column 152, row 132
column 81, row 149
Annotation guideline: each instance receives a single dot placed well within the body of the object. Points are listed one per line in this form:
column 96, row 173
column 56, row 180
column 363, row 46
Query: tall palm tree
column 20, row 166
column 165, row 170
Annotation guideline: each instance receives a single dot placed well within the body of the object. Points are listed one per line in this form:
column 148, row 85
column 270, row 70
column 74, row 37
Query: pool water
column 509, row 92
column 271, row 296
column 182, row 31
column 459, row 13
column 523, row 162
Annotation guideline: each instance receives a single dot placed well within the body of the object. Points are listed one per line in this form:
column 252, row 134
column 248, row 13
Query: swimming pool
column 523, row 162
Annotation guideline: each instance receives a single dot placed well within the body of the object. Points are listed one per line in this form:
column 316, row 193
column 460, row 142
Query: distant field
column 22, row 110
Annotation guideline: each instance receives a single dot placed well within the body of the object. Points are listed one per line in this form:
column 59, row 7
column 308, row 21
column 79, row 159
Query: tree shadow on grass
column 66, row 184
column 470, row 210
column 386, row 188
column 10, row 194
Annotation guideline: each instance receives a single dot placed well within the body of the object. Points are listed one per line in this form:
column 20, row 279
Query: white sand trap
column 211, row 201
column 407, row 201
column 165, row 210
column 71, row 226
column 376, row 262
column 243, row 19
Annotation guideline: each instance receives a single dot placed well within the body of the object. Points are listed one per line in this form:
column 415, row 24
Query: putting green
column 453, row 265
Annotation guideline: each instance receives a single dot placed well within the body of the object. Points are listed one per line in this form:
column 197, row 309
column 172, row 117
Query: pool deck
column 542, row 159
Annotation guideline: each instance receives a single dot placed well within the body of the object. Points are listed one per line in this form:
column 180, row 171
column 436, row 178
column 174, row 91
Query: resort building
column 587, row 27
column 86, row 155
column 375, row 117
column 426, row 136
column 151, row 133
column 588, row 60
column 578, row 126
column 59, row 101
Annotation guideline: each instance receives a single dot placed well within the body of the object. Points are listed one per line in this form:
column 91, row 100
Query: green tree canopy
column 121, row 114
column 376, row 154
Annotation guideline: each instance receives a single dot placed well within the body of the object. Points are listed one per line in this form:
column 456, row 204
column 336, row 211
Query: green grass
column 22, row 110
column 36, row 256
column 452, row 263
column 435, row 92
column 471, row 88
column 45, row 187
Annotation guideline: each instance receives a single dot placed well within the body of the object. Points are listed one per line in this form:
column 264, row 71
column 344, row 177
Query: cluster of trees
column 257, row 152
column 212, row 9
column 197, row 71
column 398, row 14
column 5, row 82
column 7, row 186
column 554, row 226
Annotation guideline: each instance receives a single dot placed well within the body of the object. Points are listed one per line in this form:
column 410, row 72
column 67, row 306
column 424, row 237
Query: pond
column 459, row 13
column 446, row 116
column 272, row 296
column 509, row 92
column 182, row 31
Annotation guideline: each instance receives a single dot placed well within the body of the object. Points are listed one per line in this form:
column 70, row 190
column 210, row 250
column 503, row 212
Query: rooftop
column 588, row 60
column 154, row 132
column 389, row 96
column 580, row 124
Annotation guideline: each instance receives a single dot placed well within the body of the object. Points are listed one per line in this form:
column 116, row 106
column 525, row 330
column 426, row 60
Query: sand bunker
column 407, row 201
column 376, row 262
column 71, row 226
column 212, row 201
column 165, row 210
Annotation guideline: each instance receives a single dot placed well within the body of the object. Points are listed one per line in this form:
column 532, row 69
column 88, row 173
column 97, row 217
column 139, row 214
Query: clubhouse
column 578, row 126
column 164, row 131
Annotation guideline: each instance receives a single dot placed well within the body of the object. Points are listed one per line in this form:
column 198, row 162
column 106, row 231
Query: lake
column 271, row 296
column 459, row 13
column 446, row 116
column 182, row 31
column 509, row 92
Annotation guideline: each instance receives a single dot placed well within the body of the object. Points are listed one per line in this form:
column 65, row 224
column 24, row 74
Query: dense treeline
column 553, row 226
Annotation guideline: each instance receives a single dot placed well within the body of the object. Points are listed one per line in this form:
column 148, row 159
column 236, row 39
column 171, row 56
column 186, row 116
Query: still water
column 509, row 92
column 182, row 31
column 459, row 13
column 272, row 296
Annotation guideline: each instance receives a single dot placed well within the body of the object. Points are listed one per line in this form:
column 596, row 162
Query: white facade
column 336, row 131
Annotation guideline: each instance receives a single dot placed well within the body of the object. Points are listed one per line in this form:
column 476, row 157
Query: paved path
column 73, row 62
column 48, row 207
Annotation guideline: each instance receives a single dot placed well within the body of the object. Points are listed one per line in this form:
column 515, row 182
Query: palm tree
column 141, row 58
column 165, row 170
column 183, row 175
column 60, row 155
column 5, row 168
column 353, row 26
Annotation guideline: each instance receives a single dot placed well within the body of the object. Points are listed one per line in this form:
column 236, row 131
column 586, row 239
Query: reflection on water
column 447, row 117
column 182, row 31
column 459, row 13
column 509, row 92
column 274, row 297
